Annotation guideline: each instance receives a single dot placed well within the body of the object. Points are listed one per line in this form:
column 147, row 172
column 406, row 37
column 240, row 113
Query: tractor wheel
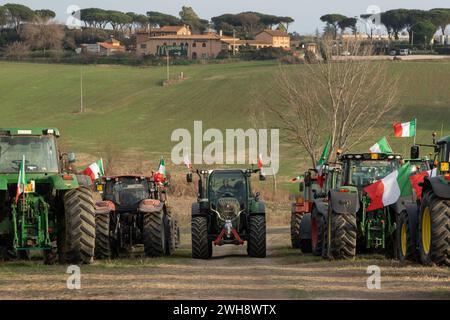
column 316, row 233
column 405, row 247
column 325, row 238
column 434, row 230
column 154, row 235
column 201, row 246
column 256, row 244
column 343, row 235
column 79, row 236
column 102, row 238
column 296, row 220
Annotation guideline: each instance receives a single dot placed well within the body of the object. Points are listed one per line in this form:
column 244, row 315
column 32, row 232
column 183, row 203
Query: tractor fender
column 344, row 202
column 259, row 209
column 412, row 210
column 3, row 183
column 60, row 183
column 440, row 188
column 84, row 180
column 305, row 227
column 151, row 205
column 195, row 210
column 104, row 207
column 321, row 206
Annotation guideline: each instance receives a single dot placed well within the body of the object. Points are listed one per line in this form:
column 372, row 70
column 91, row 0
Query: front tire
column 256, row 246
column 154, row 234
column 79, row 242
column 296, row 220
column 434, row 230
column 343, row 235
column 316, row 233
column 201, row 246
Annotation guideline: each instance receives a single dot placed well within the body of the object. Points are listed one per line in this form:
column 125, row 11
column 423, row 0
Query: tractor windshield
column 127, row 192
column 227, row 184
column 361, row 173
column 39, row 151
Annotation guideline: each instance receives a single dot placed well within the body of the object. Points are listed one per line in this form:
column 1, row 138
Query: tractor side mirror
column 71, row 157
column 262, row 177
column 415, row 152
column 301, row 187
column 189, row 177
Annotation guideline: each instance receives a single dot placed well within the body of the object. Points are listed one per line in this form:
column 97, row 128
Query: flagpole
column 415, row 130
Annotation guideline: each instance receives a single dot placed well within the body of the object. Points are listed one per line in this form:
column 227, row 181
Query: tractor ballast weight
column 133, row 211
column 227, row 212
column 55, row 212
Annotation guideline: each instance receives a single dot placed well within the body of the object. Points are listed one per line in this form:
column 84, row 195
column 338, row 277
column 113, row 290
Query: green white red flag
column 162, row 167
column 405, row 130
column 417, row 179
column 95, row 170
column 382, row 146
column 388, row 190
column 21, row 181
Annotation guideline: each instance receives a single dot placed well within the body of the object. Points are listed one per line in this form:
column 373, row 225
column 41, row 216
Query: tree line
column 420, row 24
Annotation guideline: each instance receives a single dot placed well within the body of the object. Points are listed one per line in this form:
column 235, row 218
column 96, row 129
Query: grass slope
column 129, row 108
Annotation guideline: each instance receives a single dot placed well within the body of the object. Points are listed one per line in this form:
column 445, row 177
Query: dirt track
column 284, row 274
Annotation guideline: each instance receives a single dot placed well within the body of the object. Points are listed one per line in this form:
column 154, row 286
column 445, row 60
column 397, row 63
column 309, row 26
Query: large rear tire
column 154, row 234
column 434, row 230
column 79, row 242
column 102, row 237
column 343, row 235
column 256, row 246
column 296, row 220
column 201, row 246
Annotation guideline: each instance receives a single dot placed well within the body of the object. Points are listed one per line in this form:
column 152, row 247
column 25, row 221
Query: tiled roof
column 276, row 33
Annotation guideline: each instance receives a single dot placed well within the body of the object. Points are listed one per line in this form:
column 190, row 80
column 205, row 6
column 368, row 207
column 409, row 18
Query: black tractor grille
column 228, row 208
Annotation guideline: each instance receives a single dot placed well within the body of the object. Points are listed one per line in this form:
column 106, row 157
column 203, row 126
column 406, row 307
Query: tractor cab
column 361, row 170
column 443, row 156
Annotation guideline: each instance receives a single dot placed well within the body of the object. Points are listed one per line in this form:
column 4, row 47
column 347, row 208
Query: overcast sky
column 305, row 12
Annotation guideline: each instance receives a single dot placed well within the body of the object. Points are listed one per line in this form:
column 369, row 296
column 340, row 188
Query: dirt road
column 284, row 274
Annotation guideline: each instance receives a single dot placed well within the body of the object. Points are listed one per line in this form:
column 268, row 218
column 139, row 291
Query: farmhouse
column 276, row 38
column 106, row 48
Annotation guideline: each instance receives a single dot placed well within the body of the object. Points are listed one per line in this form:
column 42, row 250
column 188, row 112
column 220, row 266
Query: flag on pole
column 21, row 181
column 325, row 153
column 162, row 167
column 417, row 179
column 95, row 170
column 405, row 130
column 388, row 190
column 260, row 163
column 187, row 161
column 382, row 146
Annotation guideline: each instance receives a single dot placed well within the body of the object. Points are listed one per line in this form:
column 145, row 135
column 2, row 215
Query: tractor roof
column 444, row 140
column 138, row 176
column 29, row 131
column 369, row 156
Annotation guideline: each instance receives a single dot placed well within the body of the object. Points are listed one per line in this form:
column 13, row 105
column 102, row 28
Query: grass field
column 127, row 107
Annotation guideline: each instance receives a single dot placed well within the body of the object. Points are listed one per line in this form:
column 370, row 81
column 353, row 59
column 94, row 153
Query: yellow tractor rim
column 426, row 230
column 403, row 239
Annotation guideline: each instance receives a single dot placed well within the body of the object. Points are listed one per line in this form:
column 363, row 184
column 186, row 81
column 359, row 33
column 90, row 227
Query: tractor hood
column 57, row 181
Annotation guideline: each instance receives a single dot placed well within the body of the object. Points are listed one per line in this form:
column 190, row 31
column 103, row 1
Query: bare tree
column 342, row 98
column 43, row 35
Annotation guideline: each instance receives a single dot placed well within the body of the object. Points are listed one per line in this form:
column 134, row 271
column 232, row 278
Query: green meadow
column 128, row 107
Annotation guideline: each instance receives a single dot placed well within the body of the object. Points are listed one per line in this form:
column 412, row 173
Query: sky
column 305, row 12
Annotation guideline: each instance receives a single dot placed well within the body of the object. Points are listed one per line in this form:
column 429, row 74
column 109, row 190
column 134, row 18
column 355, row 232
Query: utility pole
column 81, row 91
column 234, row 42
column 168, row 65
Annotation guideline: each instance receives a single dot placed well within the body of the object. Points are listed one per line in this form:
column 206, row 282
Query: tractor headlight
column 444, row 167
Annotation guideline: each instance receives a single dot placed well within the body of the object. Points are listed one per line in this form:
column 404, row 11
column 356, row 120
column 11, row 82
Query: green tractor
column 227, row 212
column 349, row 225
column 43, row 205
column 424, row 227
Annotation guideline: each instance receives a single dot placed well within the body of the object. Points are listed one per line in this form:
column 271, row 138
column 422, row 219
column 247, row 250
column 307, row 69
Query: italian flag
column 381, row 146
column 417, row 179
column 388, row 190
column 405, row 130
column 162, row 167
column 21, row 181
column 95, row 170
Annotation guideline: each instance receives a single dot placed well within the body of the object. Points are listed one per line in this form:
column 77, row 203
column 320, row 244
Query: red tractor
column 133, row 211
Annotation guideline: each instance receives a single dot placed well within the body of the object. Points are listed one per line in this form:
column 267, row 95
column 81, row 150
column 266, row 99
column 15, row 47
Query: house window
column 204, row 45
column 143, row 46
column 194, row 45
column 174, row 44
